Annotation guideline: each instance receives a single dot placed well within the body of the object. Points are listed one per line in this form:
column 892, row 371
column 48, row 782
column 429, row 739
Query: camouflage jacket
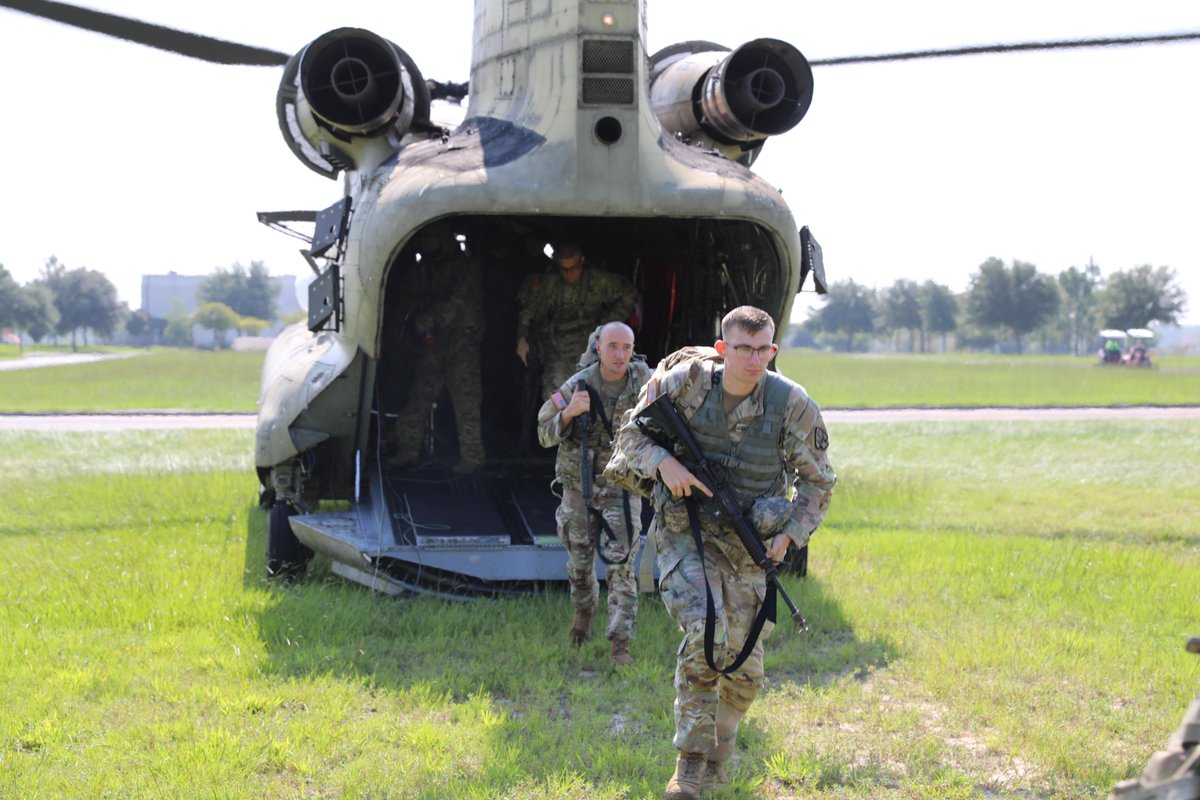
column 552, row 309
column 568, row 466
column 803, row 440
column 449, row 290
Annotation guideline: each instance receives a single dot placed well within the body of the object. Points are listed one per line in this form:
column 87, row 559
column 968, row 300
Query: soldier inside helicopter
column 688, row 272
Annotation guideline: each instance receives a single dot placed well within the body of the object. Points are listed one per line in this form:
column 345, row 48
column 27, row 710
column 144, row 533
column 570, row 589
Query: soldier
column 614, row 382
column 770, row 436
column 444, row 293
column 560, row 307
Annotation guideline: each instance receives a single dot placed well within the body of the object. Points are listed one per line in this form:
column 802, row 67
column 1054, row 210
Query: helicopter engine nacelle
column 731, row 101
column 347, row 100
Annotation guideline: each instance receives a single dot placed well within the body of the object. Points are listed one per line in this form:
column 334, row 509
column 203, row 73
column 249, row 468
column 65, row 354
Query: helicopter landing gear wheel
column 287, row 558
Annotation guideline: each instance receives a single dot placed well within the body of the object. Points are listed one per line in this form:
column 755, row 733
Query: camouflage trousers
column 453, row 362
column 581, row 556
column 709, row 706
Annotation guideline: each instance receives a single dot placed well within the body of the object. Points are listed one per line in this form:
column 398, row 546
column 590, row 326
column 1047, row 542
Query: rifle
column 587, row 480
column 664, row 414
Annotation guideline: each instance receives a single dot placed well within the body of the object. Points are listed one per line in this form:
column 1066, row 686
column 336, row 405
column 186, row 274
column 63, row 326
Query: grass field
column 839, row 380
column 162, row 378
column 997, row 611
column 228, row 381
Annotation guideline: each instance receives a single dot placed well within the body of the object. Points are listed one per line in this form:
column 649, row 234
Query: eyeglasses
column 745, row 350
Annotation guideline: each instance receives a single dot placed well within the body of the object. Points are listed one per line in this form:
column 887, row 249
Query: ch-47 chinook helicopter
column 572, row 131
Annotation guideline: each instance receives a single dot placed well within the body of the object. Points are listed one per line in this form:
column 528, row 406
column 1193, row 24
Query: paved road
column 34, row 360
column 122, row 422
column 834, row 416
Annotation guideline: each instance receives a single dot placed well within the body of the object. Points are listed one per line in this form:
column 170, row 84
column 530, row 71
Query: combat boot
column 620, row 653
column 687, row 782
column 714, row 775
column 581, row 626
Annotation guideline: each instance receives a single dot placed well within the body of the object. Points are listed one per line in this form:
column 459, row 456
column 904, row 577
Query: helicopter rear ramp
column 431, row 531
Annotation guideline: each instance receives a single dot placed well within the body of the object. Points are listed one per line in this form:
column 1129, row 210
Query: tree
column 848, row 309
column 36, row 313
column 1017, row 300
column 84, row 299
column 248, row 293
column 252, row 326
column 939, row 310
column 138, row 325
column 178, row 330
column 9, row 289
column 216, row 317
column 1136, row 297
column 1079, row 287
column 900, row 309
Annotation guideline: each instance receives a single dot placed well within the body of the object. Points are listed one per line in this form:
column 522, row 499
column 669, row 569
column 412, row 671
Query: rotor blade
column 1064, row 44
column 192, row 45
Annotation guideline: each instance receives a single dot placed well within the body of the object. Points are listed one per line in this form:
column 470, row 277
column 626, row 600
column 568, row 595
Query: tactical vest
column 600, row 445
column 754, row 467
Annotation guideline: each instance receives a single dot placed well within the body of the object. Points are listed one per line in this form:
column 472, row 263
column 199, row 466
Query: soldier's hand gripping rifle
column 665, row 416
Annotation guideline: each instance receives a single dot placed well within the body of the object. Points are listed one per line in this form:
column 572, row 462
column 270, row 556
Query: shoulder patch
column 821, row 439
column 558, row 401
column 652, row 390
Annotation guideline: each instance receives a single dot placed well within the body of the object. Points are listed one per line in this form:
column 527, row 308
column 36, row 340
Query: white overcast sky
column 132, row 161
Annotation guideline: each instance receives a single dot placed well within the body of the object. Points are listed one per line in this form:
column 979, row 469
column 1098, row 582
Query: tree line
column 80, row 302
column 1004, row 307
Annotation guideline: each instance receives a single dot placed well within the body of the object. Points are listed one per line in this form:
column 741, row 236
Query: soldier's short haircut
column 749, row 318
column 565, row 250
column 614, row 325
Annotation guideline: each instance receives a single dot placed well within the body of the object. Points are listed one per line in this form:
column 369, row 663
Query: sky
column 131, row 161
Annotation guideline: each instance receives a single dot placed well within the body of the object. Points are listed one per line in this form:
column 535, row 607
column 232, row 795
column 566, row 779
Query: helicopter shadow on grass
column 554, row 698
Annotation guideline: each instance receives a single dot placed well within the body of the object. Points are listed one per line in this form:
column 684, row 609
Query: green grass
column 229, row 381
column 869, row 381
column 997, row 612
column 159, row 379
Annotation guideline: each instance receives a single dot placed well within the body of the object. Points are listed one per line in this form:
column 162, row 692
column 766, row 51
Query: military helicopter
column 650, row 188
column 642, row 160
column 571, row 131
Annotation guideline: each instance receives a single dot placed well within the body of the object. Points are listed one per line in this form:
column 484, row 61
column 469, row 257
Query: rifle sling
column 765, row 612
column 584, row 424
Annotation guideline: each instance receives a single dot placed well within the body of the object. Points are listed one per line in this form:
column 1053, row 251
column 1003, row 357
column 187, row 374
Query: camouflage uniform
column 556, row 316
column 709, row 706
column 572, row 514
column 449, row 291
